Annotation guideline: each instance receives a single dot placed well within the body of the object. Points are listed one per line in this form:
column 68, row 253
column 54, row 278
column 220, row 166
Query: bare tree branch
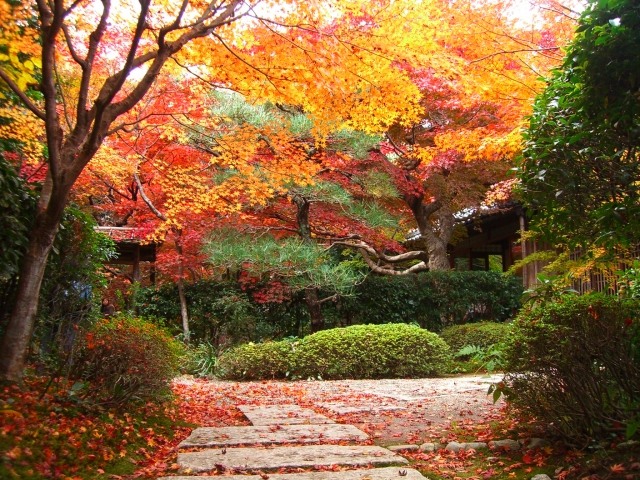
column 419, row 267
column 87, row 65
column 174, row 25
column 71, row 48
column 23, row 96
column 403, row 257
column 146, row 199
column 506, row 52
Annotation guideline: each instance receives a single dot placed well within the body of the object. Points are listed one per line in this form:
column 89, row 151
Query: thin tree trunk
column 184, row 313
column 311, row 293
column 15, row 342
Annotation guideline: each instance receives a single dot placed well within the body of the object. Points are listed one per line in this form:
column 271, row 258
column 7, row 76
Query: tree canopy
column 119, row 95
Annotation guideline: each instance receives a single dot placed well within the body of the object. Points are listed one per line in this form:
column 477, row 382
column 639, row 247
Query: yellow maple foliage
column 19, row 46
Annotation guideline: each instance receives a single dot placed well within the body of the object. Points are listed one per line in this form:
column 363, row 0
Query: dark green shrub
column 360, row 351
column 67, row 295
column 123, row 358
column 219, row 311
column 483, row 335
column 17, row 207
column 257, row 361
column 435, row 299
column 575, row 363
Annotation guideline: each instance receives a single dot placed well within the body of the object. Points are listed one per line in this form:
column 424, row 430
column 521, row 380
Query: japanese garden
column 320, row 239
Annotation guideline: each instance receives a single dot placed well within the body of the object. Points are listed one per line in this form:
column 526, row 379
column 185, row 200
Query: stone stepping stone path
column 291, row 424
column 288, row 457
column 343, row 409
column 282, row 415
column 270, row 435
column 388, row 473
column 405, row 390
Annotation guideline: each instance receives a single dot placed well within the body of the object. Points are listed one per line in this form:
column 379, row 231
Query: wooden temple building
column 496, row 236
column 131, row 250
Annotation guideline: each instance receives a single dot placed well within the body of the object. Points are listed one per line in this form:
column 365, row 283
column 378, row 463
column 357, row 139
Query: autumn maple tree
column 269, row 174
column 469, row 131
column 96, row 62
column 89, row 71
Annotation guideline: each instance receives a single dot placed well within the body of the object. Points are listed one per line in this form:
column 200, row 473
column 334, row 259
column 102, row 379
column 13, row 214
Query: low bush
column 219, row 312
column 575, row 363
column 123, row 358
column 482, row 335
column 202, row 360
column 360, row 351
column 372, row 351
column 253, row 361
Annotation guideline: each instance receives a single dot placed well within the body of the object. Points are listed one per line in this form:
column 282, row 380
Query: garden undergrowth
column 557, row 460
column 50, row 434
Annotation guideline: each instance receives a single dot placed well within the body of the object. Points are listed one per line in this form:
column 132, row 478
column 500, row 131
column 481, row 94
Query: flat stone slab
column 343, row 409
column 286, row 457
column 408, row 390
column 430, row 447
column 375, row 474
column 230, row 436
column 282, row 415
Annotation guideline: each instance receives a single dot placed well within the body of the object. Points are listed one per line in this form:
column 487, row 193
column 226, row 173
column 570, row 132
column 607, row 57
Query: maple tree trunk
column 15, row 342
column 184, row 314
column 436, row 241
column 437, row 250
column 315, row 309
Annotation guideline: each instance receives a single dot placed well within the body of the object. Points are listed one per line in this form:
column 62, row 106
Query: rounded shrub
column 122, row 358
column 575, row 363
column 253, row 361
column 360, row 351
column 483, row 335
column 372, row 351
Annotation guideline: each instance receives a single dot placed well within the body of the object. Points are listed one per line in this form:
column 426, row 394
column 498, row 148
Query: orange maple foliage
column 106, row 68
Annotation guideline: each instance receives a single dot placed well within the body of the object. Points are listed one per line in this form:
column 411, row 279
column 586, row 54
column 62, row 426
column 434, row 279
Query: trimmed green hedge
column 254, row 361
column 575, row 363
column 360, row 351
column 483, row 335
column 433, row 300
